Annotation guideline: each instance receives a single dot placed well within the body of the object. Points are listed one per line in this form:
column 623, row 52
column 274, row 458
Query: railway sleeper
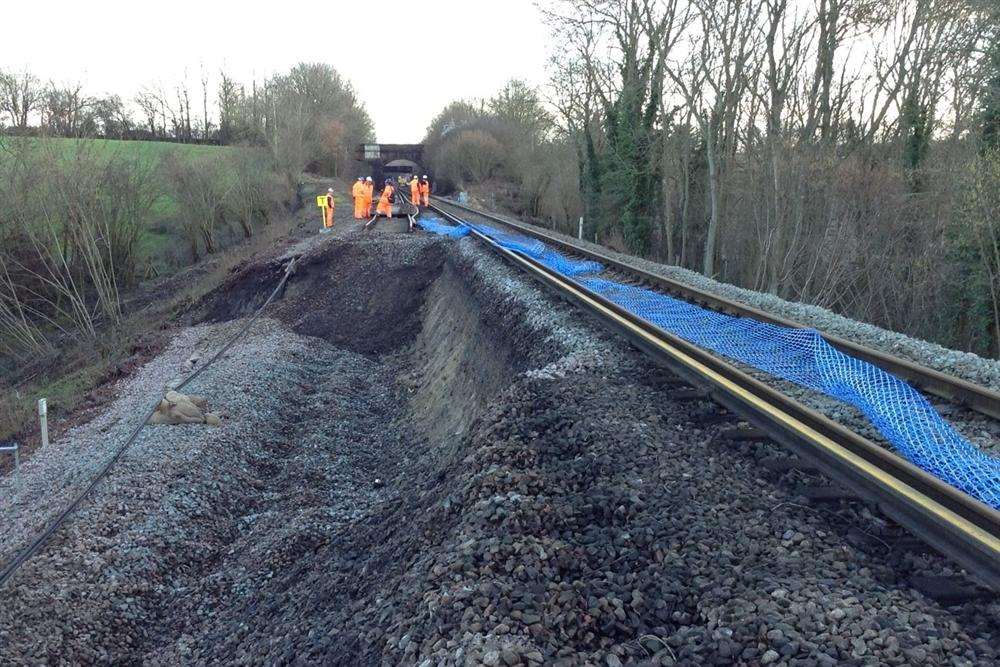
column 745, row 434
column 690, row 394
column 829, row 493
column 949, row 590
column 720, row 416
column 786, row 464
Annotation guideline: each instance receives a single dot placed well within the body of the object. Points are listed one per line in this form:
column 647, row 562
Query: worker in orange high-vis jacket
column 358, row 193
column 425, row 191
column 385, row 201
column 369, row 196
column 328, row 223
column 415, row 191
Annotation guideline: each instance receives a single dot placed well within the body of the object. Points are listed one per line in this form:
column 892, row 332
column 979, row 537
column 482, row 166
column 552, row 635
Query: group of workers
column 363, row 193
column 420, row 191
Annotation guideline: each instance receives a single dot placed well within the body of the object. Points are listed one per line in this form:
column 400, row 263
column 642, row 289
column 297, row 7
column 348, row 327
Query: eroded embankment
column 552, row 503
column 423, row 458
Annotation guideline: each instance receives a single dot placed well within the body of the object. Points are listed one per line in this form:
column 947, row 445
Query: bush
column 255, row 189
column 195, row 183
column 71, row 225
column 471, row 156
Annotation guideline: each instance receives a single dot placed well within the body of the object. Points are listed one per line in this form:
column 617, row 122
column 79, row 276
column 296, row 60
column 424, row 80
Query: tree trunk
column 708, row 261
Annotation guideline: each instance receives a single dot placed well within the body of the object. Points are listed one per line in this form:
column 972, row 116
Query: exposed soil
column 424, row 461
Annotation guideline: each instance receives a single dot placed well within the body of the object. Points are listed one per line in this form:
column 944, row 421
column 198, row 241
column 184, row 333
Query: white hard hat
column 361, row 178
column 329, row 189
column 425, row 175
column 369, row 178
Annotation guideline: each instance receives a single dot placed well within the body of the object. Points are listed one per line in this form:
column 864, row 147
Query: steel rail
column 952, row 522
column 399, row 198
column 411, row 217
column 953, row 389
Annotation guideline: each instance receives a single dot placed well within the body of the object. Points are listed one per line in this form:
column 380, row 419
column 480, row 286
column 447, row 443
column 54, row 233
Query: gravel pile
column 575, row 515
column 56, row 474
column 164, row 540
column 590, row 520
column 966, row 365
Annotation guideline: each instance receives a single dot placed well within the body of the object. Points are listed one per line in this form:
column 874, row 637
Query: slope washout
column 424, row 460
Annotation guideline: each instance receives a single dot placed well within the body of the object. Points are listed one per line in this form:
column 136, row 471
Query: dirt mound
column 362, row 294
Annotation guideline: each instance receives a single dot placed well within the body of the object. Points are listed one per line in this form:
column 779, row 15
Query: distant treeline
column 843, row 153
column 310, row 102
column 123, row 135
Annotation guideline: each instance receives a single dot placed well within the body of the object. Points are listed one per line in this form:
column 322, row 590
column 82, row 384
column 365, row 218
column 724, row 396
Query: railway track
column 405, row 207
column 955, row 390
column 955, row 524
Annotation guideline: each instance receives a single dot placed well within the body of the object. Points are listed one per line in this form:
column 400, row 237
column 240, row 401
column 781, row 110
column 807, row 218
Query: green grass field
column 153, row 150
column 159, row 237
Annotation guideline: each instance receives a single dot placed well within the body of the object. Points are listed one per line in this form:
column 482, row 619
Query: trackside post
column 43, row 420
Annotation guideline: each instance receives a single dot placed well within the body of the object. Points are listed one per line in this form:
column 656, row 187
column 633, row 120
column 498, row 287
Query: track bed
column 424, row 458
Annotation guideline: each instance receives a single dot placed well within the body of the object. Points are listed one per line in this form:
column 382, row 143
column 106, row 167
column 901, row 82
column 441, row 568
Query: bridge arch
column 391, row 159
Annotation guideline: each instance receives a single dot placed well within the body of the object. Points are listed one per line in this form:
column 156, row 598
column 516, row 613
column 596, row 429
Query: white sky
column 461, row 49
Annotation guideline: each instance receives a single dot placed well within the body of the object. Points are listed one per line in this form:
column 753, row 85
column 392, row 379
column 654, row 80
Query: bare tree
column 784, row 46
column 206, row 127
column 21, row 94
column 64, row 109
column 149, row 105
column 714, row 82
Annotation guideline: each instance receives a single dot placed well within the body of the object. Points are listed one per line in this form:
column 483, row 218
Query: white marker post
column 43, row 420
column 580, row 232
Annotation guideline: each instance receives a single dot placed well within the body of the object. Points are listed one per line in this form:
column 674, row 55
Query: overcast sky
column 449, row 49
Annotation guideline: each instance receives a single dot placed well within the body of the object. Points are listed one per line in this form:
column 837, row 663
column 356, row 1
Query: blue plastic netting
column 540, row 252
column 438, row 226
column 904, row 417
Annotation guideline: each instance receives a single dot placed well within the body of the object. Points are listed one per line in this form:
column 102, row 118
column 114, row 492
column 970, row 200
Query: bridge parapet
column 391, row 158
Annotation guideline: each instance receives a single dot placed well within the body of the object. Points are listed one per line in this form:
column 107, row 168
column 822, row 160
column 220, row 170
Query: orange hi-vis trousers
column 385, row 203
column 358, row 192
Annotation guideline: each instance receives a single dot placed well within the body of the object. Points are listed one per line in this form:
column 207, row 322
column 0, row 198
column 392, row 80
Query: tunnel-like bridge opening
column 401, row 167
column 387, row 160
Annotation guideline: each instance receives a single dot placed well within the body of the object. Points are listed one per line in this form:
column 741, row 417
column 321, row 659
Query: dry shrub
column 196, row 184
column 470, row 156
column 255, row 189
column 71, row 229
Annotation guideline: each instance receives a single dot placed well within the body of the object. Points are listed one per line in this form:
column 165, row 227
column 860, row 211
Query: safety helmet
column 329, row 189
column 425, row 175
column 369, row 178
column 361, row 178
